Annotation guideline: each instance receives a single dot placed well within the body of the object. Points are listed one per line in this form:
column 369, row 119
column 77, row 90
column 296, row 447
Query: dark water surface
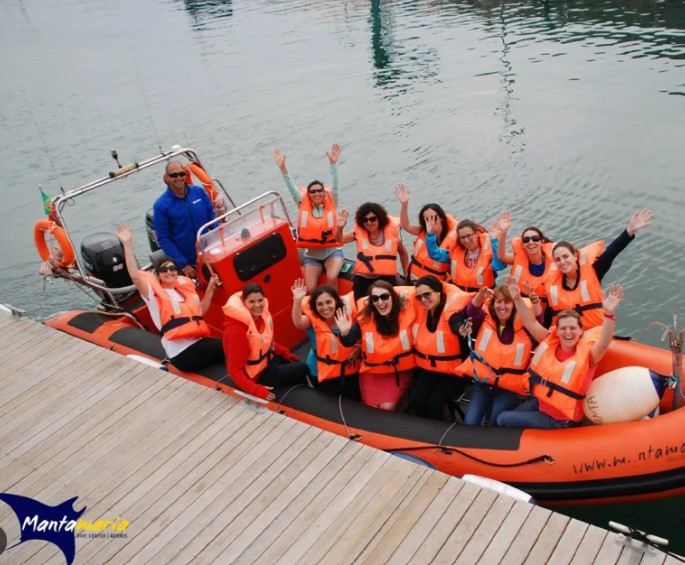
column 571, row 114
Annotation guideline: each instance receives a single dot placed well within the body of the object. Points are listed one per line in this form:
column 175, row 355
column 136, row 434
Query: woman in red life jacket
column 446, row 232
column 573, row 282
column 383, row 326
column 316, row 222
column 501, row 351
column 175, row 309
column 437, row 348
column 563, row 365
column 255, row 362
column 531, row 255
column 378, row 246
column 335, row 366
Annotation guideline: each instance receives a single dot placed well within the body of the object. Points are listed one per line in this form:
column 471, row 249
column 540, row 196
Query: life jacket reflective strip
column 520, row 269
column 504, row 366
column 560, row 384
column 481, row 275
column 421, row 264
column 381, row 354
column 260, row 344
column 313, row 232
column 440, row 351
column 180, row 320
column 587, row 297
column 331, row 355
column 377, row 260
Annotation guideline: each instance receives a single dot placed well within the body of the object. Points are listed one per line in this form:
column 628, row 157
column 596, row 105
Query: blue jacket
column 177, row 221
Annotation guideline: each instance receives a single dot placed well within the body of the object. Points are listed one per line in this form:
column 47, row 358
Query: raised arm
column 333, row 156
column 207, row 298
column 639, row 220
column 342, row 222
column 404, row 258
column 279, row 159
column 435, row 252
column 402, row 194
column 299, row 290
column 125, row 235
column 611, row 301
column 535, row 328
column 504, row 227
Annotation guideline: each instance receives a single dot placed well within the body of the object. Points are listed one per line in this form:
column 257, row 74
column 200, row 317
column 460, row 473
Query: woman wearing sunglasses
column 445, row 233
column 500, row 355
column 378, row 246
column 574, row 281
column 256, row 363
column 335, row 366
column 316, row 222
column 562, row 366
column 437, row 347
column 472, row 261
column 384, row 327
column 175, row 309
column 531, row 257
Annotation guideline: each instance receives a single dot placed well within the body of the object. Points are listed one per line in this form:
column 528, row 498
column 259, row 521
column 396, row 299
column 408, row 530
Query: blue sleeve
column 436, row 252
column 163, row 233
column 496, row 264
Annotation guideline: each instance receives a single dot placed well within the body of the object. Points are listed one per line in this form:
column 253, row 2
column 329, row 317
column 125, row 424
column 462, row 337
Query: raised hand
column 432, row 224
column 124, row 234
column 279, row 159
column 613, row 298
column 493, row 229
column 640, row 219
column 466, row 328
column 505, row 221
column 343, row 320
column 299, row 290
column 513, row 287
column 213, row 283
column 402, row 194
column 333, row 154
column 342, row 218
column 483, row 295
column 530, row 291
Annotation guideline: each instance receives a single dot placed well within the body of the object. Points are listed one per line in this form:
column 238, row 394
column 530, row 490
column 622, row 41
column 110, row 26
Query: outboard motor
column 103, row 258
column 150, row 228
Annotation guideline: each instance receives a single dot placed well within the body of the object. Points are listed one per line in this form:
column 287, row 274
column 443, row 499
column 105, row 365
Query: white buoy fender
column 623, row 395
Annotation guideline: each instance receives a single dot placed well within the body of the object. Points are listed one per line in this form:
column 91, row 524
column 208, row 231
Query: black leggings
column 208, row 351
column 433, row 391
column 280, row 372
column 360, row 285
column 347, row 387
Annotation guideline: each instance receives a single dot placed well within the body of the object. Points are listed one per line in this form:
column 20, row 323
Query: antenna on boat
column 45, row 145
column 149, row 113
column 675, row 344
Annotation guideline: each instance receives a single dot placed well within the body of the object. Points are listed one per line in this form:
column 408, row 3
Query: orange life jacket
column 421, row 264
column 316, row 233
column 481, row 275
column 260, row 343
column 560, row 384
column 332, row 357
column 520, row 269
column 504, row 366
column 587, row 297
column 180, row 320
column 377, row 260
column 384, row 354
column 439, row 351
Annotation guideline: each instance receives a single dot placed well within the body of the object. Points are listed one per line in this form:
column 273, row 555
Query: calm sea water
column 570, row 114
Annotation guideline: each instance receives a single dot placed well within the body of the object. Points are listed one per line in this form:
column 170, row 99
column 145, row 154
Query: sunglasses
column 315, row 190
column 384, row 297
column 370, row 219
column 533, row 238
column 467, row 236
column 176, row 175
column 424, row 295
column 168, row 268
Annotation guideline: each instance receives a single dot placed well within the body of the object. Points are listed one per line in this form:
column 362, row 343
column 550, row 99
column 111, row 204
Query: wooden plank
column 589, row 546
column 506, row 533
column 403, row 523
column 426, row 522
column 569, row 542
column 528, row 534
column 631, row 555
column 548, row 539
column 653, row 557
column 483, row 535
column 447, row 523
column 610, row 550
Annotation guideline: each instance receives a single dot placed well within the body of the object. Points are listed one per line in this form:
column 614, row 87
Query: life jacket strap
column 268, row 354
column 435, row 358
column 326, row 237
column 580, row 308
column 367, row 259
column 425, row 268
column 536, row 379
column 178, row 322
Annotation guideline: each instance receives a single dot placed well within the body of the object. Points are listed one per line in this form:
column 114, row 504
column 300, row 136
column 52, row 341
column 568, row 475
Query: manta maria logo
column 59, row 525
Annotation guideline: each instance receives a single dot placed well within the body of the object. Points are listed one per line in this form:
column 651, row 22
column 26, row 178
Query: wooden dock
column 203, row 478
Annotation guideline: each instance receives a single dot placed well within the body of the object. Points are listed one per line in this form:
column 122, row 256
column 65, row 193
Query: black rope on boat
column 353, row 437
column 450, row 450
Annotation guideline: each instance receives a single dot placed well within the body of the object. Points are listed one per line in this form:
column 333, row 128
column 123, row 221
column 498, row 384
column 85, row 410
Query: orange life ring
column 47, row 225
column 197, row 171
